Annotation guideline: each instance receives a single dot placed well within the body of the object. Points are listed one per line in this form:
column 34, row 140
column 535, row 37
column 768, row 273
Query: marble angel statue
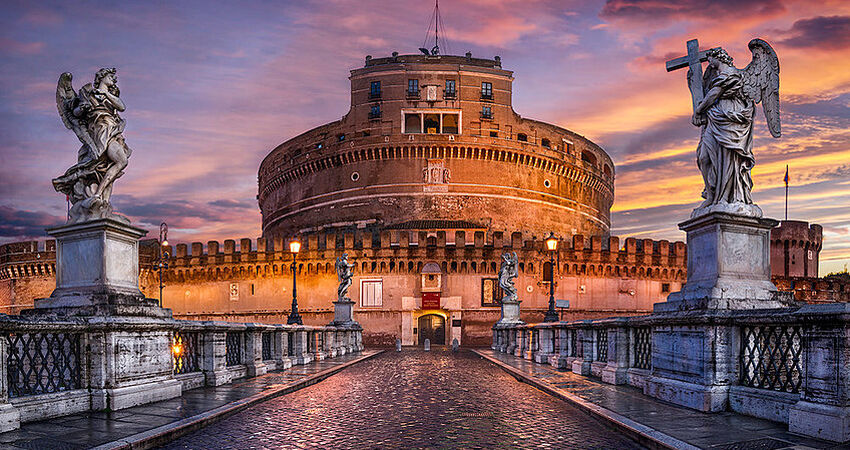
column 726, row 114
column 92, row 114
column 343, row 271
column 507, row 273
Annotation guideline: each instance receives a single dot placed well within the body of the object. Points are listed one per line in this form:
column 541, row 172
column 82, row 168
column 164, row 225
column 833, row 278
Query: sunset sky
column 211, row 87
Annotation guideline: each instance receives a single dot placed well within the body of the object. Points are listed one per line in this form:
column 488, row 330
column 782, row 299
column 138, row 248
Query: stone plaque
column 140, row 355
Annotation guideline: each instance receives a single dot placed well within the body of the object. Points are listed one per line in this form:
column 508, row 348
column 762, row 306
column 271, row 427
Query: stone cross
column 692, row 60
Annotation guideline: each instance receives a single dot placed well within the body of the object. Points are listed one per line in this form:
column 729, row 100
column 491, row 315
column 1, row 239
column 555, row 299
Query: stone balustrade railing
column 789, row 365
column 59, row 367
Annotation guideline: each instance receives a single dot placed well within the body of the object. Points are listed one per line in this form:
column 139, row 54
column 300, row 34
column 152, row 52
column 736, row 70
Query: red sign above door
column 430, row 300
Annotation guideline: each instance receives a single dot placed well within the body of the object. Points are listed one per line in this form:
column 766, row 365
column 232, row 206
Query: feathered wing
column 761, row 82
column 66, row 99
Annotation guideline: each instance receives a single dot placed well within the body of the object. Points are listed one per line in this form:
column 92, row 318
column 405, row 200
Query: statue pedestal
column 510, row 313
column 695, row 346
column 728, row 265
column 129, row 340
column 97, row 272
column 344, row 313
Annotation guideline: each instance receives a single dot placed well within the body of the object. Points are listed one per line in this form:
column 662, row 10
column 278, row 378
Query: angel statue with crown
column 726, row 113
column 92, row 114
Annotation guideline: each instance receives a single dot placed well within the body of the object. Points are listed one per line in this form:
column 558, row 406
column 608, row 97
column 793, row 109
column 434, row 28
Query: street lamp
column 552, row 247
column 162, row 260
column 294, row 318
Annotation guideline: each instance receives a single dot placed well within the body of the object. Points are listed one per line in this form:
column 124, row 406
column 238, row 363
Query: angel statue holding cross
column 724, row 106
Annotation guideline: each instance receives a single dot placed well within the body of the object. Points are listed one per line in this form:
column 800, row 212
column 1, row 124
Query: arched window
column 545, row 142
column 522, row 137
column 547, row 272
column 588, row 157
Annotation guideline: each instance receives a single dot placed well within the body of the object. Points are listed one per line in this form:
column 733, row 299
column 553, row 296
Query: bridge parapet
column 786, row 365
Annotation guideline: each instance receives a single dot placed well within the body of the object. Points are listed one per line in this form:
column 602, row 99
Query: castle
column 424, row 183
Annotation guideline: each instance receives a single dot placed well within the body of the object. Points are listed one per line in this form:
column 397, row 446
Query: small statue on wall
column 343, row 272
column 92, row 114
column 507, row 273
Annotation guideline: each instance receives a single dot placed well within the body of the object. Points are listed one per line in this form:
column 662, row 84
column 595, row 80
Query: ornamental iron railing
column 602, row 345
column 771, row 357
column 267, row 346
column 43, row 363
column 233, row 345
column 186, row 352
column 642, row 348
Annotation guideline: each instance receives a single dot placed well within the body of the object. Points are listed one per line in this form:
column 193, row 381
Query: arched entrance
column 433, row 327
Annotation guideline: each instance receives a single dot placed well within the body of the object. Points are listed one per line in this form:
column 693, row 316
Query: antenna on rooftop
column 436, row 23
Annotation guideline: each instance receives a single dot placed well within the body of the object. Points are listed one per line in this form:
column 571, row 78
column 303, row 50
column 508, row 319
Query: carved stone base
column 10, row 418
column 344, row 314
column 820, row 421
column 140, row 394
column 728, row 265
column 695, row 396
column 510, row 312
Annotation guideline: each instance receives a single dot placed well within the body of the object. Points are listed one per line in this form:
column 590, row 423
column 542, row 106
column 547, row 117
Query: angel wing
column 66, row 100
column 761, row 82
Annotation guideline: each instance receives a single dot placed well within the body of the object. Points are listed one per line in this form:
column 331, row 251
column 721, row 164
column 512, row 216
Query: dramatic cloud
column 25, row 224
column 211, row 89
column 660, row 10
column 832, row 32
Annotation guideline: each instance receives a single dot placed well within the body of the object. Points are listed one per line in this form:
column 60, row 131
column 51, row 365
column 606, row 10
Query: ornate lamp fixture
column 294, row 318
column 552, row 247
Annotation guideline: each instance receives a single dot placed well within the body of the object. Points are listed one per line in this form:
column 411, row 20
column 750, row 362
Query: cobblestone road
column 413, row 399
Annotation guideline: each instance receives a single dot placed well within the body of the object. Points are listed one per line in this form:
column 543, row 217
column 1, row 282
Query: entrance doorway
column 433, row 327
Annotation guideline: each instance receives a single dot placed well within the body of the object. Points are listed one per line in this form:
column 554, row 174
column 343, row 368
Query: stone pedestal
column 728, row 265
column 97, row 281
column 510, row 312
column 344, row 313
column 97, row 272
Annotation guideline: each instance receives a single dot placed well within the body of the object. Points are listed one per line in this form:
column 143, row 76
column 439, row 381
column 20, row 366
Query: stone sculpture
column 343, row 272
column 507, row 273
column 92, row 114
column 725, row 109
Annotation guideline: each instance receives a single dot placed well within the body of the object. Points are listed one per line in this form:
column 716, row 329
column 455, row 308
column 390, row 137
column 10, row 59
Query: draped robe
column 725, row 151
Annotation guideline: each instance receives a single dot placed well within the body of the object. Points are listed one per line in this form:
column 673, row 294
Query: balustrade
column 787, row 365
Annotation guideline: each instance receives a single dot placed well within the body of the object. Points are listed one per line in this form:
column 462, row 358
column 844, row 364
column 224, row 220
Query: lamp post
column 294, row 318
column 552, row 247
column 162, row 260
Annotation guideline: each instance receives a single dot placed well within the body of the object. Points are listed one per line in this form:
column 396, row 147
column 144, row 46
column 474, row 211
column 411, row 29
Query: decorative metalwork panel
column 642, row 348
column 574, row 344
column 771, row 357
column 267, row 346
column 233, row 355
column 42, row 363
column 186, row 352
column 602, row 345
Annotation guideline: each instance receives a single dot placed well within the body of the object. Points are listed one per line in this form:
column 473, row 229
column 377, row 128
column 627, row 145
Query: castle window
column 340, row 137
column 491, row 293
column 607, row 170
column 522, row 137
column 450, row 123
column 450, row 89
column 487, row 90
column 665, row 287
column 588, row 157
column 371, row 293
column 432, row 123
column 494, row 134
column 413, row 88
column 366, row 133
column 319, row 146
column 486, row 112
column 375, row 89
column 547, row 272
column 375, row 112
column 412, row 123
column 545, row 142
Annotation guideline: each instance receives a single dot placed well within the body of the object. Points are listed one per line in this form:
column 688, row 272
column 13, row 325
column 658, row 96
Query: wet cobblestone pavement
column 412, row 399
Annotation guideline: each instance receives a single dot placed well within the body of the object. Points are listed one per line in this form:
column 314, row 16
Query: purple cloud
column 824, row 32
